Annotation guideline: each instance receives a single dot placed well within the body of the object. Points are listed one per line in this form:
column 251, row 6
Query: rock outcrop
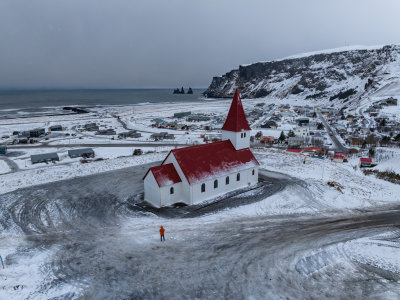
column 336, row 75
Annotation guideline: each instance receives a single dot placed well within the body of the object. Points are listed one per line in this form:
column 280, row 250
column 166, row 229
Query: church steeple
column 236, row 119
column 236, row 129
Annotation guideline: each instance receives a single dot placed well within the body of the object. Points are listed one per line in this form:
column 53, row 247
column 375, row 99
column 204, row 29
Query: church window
column 253, row 172
column 203, row 187
column 238, row 177
column 215, row 184
column 227, row 180
column 171, row 190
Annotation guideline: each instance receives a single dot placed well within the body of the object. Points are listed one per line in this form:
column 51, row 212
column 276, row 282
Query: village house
column 340, row 157
column 356, row 141
column 158, row 122
column 85, row 153
column 267, row 140
column 197, row 173
column 311, row 151
column 365, row 162
column 301, row 131
column 91, row 127
column 46, row 157
column 129, row 134
column 162, row 136
column 294, row 151
column 296, row 142
column 108, row 131
column 182, row 114
column 55, row 128
column 212, row 137
column 303, row 121
column 3, row 149
column 37, row 132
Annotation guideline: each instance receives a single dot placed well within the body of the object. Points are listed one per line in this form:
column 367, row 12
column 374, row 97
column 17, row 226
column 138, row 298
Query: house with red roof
column 197, row 173
column 365, row 162
column 339, row 157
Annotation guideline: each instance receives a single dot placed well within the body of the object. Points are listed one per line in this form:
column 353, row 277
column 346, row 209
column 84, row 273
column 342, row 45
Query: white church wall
column 236, row 138
column 167, row 198
column 252, row 178
column 246, row 179
column 185, row 189
column 152, row 192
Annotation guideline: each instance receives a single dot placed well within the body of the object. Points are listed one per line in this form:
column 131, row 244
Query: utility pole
column 2, row 262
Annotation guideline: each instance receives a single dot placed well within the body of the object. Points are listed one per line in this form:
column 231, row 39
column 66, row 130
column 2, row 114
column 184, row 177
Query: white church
column 193, row 174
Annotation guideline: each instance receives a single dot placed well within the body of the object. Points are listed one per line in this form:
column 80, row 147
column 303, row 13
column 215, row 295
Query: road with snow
column 105, row 246
column 97, row 145
column 11, row 164
column 339, row 146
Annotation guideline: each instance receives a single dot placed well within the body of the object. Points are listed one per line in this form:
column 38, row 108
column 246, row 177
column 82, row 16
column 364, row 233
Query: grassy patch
column 385, row 175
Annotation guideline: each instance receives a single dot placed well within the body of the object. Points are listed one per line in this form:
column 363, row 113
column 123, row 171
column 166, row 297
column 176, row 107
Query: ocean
column 27, row 103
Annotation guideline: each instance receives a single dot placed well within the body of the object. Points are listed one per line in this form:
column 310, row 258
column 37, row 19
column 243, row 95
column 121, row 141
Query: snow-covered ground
column 28, row 271
column 12, row 181
column 356, row 189
column 4, row 168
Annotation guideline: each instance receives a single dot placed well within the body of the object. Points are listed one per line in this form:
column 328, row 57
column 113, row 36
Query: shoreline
column 97, row 108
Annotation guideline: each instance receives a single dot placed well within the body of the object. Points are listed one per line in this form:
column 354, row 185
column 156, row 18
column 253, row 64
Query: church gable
column 164, row 175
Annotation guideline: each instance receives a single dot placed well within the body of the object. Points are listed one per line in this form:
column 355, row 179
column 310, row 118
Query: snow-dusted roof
column 165, row 175
column 208, row 161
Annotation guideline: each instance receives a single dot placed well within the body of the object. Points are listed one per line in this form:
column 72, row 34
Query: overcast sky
column 170, row 43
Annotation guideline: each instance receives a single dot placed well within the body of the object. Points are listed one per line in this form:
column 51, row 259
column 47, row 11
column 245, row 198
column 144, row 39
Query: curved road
column 109, row 248
column 11, row 164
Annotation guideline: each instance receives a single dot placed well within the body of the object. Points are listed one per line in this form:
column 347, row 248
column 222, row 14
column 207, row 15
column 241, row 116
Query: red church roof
column 164, row 175
column 207, row 161
column 236, row 119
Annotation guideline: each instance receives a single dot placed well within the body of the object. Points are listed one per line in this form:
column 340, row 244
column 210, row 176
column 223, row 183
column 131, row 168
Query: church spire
column 236, row 129
column 236, row 119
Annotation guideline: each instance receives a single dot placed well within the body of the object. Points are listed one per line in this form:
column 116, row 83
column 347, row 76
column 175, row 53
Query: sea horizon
column 39, row 102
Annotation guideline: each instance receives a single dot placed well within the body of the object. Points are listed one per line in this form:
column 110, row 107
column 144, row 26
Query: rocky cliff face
column 330, row 75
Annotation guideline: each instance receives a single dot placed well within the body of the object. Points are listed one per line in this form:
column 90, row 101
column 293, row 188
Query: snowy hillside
column 333, row 76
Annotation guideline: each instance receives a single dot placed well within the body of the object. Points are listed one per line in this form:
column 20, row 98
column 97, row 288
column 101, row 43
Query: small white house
column 194, row 174
column 301, row 131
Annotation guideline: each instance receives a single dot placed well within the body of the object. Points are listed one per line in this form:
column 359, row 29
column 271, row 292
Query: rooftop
column 165, row 175
column 207, row 161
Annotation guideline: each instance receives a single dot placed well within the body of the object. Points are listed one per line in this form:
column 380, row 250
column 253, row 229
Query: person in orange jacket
column 162, row 230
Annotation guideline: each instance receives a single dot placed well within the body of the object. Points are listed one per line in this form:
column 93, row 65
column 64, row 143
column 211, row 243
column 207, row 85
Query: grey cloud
column 121, row 43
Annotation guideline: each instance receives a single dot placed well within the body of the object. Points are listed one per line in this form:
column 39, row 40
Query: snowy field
column 4, row 168
column 308, row 240
column 12, row 181
column 311, row 199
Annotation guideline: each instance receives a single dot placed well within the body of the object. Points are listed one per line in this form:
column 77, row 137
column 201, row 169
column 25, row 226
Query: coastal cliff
column 338, row 74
